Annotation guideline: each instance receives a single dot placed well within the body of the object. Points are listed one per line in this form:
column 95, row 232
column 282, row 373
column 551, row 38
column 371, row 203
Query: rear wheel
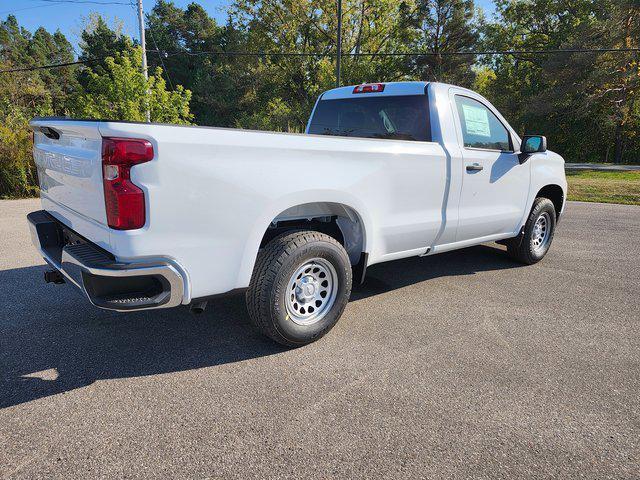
column 534, row 244
column 300, row 286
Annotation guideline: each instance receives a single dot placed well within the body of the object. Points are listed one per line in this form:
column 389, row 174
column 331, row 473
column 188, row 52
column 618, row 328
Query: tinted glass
column 396, row 117
column 480, row 127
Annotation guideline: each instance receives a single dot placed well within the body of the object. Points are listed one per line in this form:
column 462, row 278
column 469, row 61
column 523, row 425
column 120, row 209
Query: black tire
column 275, row 266
column 524, row 248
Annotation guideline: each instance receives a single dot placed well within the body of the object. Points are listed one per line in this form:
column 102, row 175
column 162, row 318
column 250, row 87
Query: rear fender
column 291, row 201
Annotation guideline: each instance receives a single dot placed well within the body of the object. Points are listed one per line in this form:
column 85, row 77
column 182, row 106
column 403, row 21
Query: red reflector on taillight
column 369, row 88
column 124, row 201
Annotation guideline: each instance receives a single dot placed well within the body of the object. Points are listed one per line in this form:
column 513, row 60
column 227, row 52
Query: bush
column 18, row 176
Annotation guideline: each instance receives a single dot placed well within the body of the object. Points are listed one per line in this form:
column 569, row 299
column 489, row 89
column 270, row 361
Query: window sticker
column 476, row 121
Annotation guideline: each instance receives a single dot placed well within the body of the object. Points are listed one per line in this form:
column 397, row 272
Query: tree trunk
column 361, row 26
column 618, row 147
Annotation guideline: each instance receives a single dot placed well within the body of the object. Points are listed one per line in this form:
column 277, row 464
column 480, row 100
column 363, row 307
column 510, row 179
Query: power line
column 54, row 65
column 499, row 52
column 52, row 3
column 92, row 2
column 25, row 8
column 296, row 54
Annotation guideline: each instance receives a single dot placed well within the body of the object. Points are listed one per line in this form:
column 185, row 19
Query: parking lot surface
column 460, row 365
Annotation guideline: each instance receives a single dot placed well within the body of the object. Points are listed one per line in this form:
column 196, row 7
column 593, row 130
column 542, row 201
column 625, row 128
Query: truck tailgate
column 69, row 162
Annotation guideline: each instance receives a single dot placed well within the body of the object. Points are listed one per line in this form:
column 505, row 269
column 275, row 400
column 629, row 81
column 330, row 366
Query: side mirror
column 531, row 144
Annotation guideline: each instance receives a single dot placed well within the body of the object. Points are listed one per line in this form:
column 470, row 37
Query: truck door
column 494, row 183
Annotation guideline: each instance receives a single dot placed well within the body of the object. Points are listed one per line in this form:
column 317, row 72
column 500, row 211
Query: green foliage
column 98, row 40
column 485, row 78
column 18, row 176
column 441, row 27
column 586, row 103
column 216, row 85
column 119, row 91
column 61, row 83
column 277, row 117
column 114, row 88
column 22, row 96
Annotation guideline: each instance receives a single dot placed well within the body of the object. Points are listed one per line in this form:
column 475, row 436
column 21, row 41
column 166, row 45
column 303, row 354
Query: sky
column 67, row 15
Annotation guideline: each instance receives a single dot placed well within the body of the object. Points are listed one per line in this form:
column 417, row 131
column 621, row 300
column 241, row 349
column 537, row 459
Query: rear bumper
column 106, row 283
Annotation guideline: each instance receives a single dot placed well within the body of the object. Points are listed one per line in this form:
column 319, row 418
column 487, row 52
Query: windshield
column 396, row 117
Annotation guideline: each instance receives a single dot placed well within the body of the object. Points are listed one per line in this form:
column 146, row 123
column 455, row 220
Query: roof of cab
column 391, row 88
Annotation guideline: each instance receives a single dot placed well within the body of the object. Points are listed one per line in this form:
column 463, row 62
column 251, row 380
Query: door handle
column 474, row 167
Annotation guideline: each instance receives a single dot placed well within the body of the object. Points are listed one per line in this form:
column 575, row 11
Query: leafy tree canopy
column 119, row 91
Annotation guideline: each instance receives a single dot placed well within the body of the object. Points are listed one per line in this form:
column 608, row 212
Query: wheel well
column 555, row 194
column 334, row 219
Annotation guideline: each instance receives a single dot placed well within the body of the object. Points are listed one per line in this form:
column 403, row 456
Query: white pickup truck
column 142, row 216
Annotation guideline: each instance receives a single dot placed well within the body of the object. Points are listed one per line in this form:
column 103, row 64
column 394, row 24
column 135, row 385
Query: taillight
column 124, row 201
column 369, row 88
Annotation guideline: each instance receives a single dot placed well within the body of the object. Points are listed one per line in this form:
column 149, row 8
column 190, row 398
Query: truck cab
column 485, row 168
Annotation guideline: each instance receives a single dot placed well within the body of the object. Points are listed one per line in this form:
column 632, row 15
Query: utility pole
column 144, row 55
column 339, row 53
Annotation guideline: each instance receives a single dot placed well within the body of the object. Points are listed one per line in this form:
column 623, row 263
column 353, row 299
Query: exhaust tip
column 198, row 307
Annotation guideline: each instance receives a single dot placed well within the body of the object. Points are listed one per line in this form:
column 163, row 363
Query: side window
column 480, row 127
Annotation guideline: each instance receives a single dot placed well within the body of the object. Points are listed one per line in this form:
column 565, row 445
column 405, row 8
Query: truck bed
column 212, row 192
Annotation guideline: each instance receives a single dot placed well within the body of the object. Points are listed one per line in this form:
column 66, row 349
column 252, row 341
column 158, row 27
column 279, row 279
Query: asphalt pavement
column 460, row 365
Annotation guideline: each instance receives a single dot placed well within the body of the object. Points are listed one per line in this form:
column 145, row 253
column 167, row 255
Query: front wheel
column 534, row 244
column 299, row 288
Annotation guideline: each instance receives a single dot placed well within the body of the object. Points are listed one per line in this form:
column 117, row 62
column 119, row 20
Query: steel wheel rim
column 311, row 291
column 541, row 233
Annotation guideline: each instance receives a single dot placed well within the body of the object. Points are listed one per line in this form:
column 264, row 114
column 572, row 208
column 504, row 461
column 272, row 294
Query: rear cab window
column 399, row 117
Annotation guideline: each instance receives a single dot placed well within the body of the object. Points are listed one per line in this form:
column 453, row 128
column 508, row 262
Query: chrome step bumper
column 106, row 283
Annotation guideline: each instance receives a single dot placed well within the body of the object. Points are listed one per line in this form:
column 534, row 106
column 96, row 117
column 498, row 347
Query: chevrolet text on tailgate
column 141, row 216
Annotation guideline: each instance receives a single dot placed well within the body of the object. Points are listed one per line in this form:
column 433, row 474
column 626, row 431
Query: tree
column 17, row 171
column 113, row 87
column 441, row 27
column 23, row 95
column 277, row 91
column 587, row 103
column 613, row 85
column 294, row 82
column 309, row 27
column 98, row 40
column 118, row 90
column 14, row 43
column 184, row 40
column 46, row 48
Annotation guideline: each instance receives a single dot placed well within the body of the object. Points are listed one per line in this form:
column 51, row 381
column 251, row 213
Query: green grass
column 603, row 186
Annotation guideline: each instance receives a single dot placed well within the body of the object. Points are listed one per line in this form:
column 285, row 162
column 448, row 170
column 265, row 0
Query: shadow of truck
column 52, row 328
